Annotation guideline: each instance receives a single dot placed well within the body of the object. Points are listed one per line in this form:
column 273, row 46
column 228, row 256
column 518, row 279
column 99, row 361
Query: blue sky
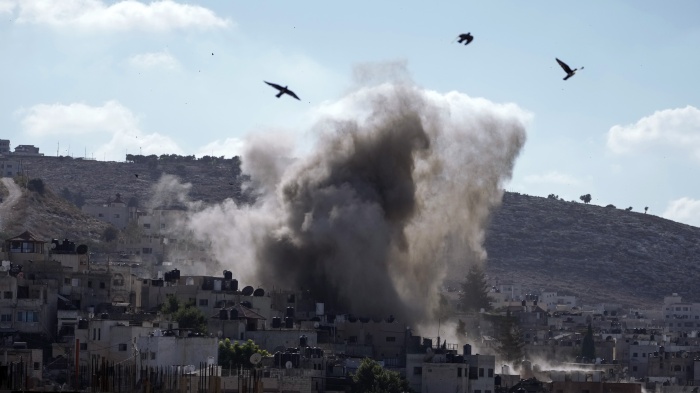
column 103, row 78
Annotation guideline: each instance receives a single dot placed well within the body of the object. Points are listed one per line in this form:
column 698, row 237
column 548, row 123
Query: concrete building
column 4, row 147
column 115, row 212
column 27, row 150
column 10, row 167
column 679, row 316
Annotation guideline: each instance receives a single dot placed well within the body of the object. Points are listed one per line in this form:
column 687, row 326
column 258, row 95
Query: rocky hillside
column 603, row 254
column 600, row 254
column 49, row 216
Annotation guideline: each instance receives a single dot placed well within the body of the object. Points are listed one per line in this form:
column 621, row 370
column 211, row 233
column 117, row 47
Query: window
column 89, row 284
column 203, row 302
column 7, row 295
column 634, row 355
column 144, row 355
column 83, row 346
column 459, row 372
column 391, row 339
column 644, row 354
column 147, row 250
column 6, row 318
column 37, row 365
column 481, row 372
column 102, row 285
column 490, row 373
column 147, row 226
column 27, row 316
column 100, row 215
column 153, row 356
column 677, row 367
column 116, row 215
column 417, row 370
column 66, row 281
column 122, row 347
column 634, row 368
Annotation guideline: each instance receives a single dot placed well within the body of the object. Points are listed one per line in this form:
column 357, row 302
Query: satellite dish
column 255, row 358
column 316, row 325
column 219, row 334
column 288, row 365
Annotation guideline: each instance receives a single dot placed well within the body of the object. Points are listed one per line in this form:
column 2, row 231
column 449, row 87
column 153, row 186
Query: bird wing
column 275, row 85
column 291, row 93
column 564, row 66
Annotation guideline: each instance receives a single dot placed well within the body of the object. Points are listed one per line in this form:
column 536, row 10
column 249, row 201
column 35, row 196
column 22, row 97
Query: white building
column 680, row 316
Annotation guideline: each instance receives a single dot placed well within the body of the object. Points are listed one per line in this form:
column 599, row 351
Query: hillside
column 600, row 254
column 49, row 216
column 592, row 251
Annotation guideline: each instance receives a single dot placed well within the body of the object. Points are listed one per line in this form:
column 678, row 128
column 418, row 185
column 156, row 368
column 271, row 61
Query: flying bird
column 136, row 174
column 466, row 38
column 567, row 69
column 282, row 90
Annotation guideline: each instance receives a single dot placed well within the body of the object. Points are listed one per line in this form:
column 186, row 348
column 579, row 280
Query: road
column 9, row 201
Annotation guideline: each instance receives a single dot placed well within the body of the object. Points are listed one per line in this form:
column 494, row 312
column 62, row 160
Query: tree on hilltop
column 586, row 198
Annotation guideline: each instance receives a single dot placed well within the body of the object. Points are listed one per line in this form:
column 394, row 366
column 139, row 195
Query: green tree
column 371, row 377
column 475, row 290
column 187, row 315
column 461, row 329
column 236, row 354
column 36, row 185
column 585, row 198
column 510, row 339
column 588, row 344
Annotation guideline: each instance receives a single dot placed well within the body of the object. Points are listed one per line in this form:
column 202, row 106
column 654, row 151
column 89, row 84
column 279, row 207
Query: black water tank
column 104, row 315
column 176, row 274
column 247, row 304
column 223, row 314
column 467, row 350
column 234, row 285
column 289, row 322
column 290, row 312
column 303, row 341
column 259, row 292
column 82, row 249
column 247, row 291
column 83, row 324
column 228, row 275
column 276, row 322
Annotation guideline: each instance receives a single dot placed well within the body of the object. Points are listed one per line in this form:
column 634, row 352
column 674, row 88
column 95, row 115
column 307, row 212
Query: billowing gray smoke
column 397, row 189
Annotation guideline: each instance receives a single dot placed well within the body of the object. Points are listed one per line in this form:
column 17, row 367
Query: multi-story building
column 115, row 212
column 679, row 316
column 4, row 147
column 27, row 150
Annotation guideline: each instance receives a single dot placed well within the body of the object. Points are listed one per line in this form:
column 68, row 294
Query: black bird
column 136, row 174
column 282, row 90
column 465, row 37
column 567, row 69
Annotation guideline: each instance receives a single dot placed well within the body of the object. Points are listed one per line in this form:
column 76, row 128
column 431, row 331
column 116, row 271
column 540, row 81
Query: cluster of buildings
column 11, row 161
column 65, row 317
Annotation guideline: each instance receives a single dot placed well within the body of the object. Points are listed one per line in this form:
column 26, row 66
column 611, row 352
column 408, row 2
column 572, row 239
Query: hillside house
column 115, row 212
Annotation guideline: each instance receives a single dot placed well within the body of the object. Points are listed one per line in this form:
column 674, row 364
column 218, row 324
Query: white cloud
column 95, row 124
column 154, row 60
column 228, row 148
column 6, row 6
column 552, row 177
column 685, row 210
column 123, row 15
column 77, row 118
column 675, row 128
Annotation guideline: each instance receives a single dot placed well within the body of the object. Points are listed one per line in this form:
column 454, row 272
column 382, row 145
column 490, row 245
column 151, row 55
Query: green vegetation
column 588, row 344
column 475, row 291
column 586, row 198
column 234, row 354
column 371, row 377
column 36, row 185
column 510, row 339
column 187, row 315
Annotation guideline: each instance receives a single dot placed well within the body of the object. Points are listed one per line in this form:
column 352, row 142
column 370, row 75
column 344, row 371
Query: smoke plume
column 397, row 188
